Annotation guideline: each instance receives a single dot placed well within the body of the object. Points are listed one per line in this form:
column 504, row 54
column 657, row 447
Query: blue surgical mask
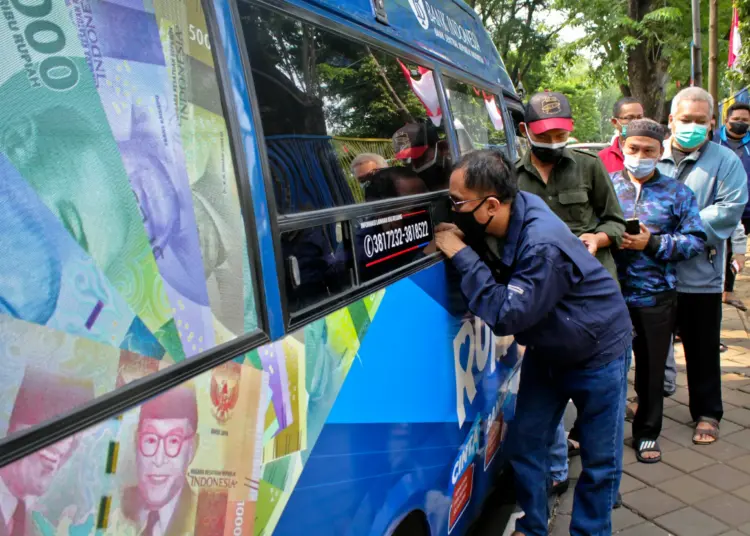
column 639, row 167
column 690, row 135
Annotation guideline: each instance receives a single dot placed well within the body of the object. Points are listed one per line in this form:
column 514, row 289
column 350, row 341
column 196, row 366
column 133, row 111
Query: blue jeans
column 558, row 454
column 599, row 396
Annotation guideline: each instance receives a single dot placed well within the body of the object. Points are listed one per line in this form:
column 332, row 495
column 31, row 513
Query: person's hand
column 449, row 243
column 636, row 242
column 740, row 258
column 450, row 227
column 590, row 241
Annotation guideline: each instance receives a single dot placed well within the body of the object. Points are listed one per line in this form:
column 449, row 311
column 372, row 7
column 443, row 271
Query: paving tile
column 691, row 522
column 667, row 423
column 723, row 477
column 574, row 467
column 679, row 413
column 561, row 526
column 728, row 427
column 721, row 450
column 565, row 504
column 622, row 518
column 742, row 463
column 628, row 456
column 682, row 435
column 732, row 533
column 686, row 460
column 644, row 529
column 654, row 473
column 740, row 439
column 738, row 398
column 743, row 493
column 669, row 403
column 668, row 446
column 681, row 395
column 740, row 416
column 745, row 529
column 650, row 502
column 732, row 510
column 628, row 484
column 688, row 489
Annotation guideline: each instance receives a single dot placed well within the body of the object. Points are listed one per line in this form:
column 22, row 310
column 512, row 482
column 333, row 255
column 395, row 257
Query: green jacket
column 581, row 193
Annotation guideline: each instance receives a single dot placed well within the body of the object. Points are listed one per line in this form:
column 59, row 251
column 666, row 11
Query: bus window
column 477, row 117
column 319, row 264
column 334, row 112
column 522, row 144
column 123, row 248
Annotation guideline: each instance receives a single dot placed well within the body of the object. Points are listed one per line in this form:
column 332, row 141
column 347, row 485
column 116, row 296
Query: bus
column 221, row 311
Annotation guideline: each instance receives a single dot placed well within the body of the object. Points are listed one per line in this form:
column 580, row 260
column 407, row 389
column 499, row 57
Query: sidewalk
column 694, row 491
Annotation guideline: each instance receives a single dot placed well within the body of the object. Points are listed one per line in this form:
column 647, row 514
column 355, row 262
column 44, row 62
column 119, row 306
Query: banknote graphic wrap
column 132, row 83
column 55, row 133
column 52, row 281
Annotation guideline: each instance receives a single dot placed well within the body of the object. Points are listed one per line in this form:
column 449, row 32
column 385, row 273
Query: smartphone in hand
column 633, row 227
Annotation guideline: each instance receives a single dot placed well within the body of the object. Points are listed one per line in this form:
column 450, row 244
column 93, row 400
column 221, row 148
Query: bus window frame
column 303, row 220
column 18, row 445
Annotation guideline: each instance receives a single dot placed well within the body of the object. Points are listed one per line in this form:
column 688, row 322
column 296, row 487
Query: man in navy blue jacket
column 525, row 274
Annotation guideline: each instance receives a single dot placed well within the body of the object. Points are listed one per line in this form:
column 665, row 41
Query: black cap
column 413, row 139
column 548, row 110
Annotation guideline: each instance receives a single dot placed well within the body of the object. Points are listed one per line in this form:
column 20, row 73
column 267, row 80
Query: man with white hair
column 366, row 163
column 716, row 176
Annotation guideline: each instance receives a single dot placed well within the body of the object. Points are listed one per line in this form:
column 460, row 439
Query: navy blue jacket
column 547, row 290
column 720, row 137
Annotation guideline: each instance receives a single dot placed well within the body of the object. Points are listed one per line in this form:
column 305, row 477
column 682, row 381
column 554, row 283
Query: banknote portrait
column 42, row 396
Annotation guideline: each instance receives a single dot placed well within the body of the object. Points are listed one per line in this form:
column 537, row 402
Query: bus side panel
column 416, row 425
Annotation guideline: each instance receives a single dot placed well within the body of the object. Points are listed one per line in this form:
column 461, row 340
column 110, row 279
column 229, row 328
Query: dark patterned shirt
column 670, row 212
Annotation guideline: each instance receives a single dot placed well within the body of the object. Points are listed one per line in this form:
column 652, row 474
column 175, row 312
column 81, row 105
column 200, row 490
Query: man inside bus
column 162, row 502
column 579, row 191
column 625, row 110
column 419, row 145
column 525, row 274
column 41, row 397
column 365, row 164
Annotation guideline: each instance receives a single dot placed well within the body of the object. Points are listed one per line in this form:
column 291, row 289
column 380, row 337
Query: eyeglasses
column 629, row 118
column 148, row 443
column 459, row 204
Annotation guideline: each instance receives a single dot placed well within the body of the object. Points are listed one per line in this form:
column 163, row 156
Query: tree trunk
column 647, row 68
column 713, row 52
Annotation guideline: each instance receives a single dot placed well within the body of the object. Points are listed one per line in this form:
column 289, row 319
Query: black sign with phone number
column 389, row 241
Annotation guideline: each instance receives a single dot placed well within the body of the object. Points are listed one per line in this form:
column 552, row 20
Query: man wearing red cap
column 577, row 187
column 41, row 397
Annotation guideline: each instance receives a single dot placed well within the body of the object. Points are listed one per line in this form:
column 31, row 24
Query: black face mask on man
column 549, row 153
column 467, row 222
column 738, row 127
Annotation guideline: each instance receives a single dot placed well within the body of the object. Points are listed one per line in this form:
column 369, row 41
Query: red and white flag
column 494, row 112
column 426, row 92
column 735, row 43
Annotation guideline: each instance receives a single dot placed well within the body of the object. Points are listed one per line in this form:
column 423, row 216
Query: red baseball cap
column 547, row 111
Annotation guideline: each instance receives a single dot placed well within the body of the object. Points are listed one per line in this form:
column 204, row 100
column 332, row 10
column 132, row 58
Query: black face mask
column 736, row 127
column 547, row 155
column 472, row 229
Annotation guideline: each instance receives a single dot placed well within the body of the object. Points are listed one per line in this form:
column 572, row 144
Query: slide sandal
column 647, row 445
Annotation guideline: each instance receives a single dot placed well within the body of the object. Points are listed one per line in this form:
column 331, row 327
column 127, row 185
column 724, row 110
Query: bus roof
column 446, row 29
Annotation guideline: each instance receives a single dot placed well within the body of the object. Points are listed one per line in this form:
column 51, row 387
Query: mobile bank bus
column 220, row 309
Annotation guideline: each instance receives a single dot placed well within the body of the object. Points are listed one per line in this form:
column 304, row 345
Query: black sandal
column 647, row 445
column 573, row 451
column 723, row 347
column 711, row 432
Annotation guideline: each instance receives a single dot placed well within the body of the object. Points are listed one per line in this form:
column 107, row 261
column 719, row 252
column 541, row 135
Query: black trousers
column 654, row 327
column 729, row 275
column 699, row 324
